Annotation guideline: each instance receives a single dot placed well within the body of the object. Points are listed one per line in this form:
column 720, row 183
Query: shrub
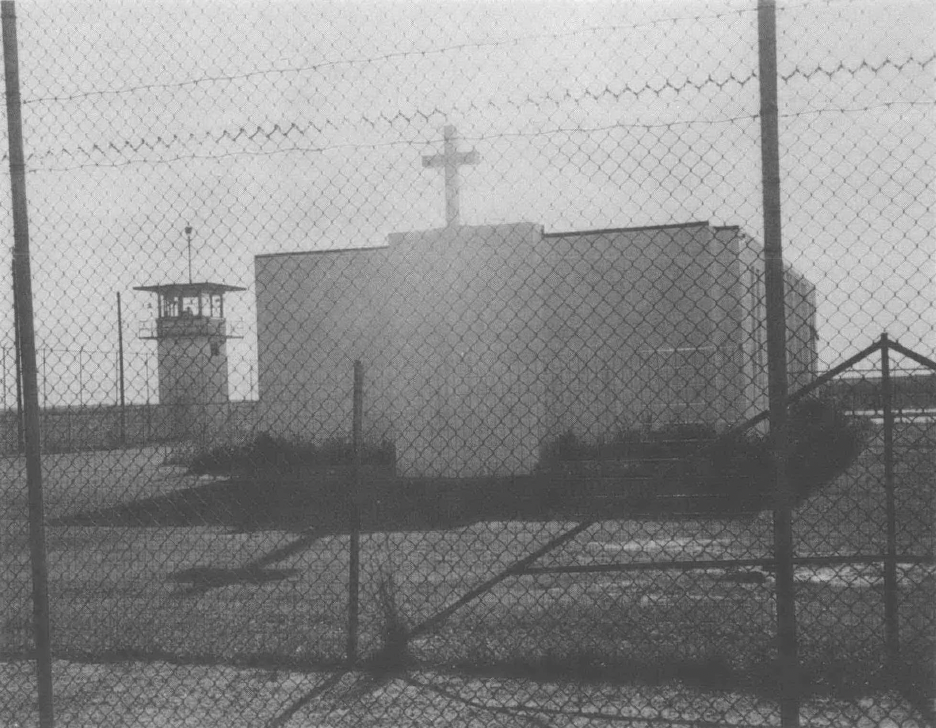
column 696, row 459
column 669, row 442
column 393, row 655
column 266, row 453
column 824, row 441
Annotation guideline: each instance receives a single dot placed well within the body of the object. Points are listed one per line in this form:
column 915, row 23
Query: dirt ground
column 120, row 589
column 162, row 695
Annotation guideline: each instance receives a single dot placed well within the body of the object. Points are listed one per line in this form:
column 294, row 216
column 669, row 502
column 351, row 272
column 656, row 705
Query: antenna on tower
column 188, row 235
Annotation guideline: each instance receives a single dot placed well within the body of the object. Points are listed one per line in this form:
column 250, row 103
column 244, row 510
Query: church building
column 483, row 344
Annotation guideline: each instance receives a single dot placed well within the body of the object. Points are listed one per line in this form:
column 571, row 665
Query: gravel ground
column 165, row 696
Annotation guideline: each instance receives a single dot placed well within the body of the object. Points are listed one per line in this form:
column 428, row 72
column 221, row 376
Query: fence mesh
column 407, row 365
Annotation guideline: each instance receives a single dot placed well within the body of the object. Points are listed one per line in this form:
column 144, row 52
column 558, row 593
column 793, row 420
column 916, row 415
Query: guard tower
column 191, row 336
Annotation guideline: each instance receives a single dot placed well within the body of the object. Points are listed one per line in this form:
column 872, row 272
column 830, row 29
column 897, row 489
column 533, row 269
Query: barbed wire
column 420, row 143
column 854, row 69
column 797, row 71
column 303, row 128
column 313, row 67
column 284, row 129
column 458, row 47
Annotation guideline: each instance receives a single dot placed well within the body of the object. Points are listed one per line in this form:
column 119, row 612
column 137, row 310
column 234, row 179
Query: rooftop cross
column 450, row 160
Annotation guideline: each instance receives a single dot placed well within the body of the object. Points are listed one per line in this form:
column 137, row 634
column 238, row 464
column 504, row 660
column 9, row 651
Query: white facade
column 482, row 344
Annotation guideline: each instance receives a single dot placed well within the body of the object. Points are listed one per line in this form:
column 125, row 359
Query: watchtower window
column 168, row 306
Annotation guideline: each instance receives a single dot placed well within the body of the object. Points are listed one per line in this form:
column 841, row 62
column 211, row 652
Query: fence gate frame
column 526, row 566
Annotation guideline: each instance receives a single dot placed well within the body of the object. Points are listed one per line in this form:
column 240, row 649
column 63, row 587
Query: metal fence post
column 354, row 565
column 120, row 375
column 27, row 339
column 891, row 624
column 18, row 348
column 776, row 364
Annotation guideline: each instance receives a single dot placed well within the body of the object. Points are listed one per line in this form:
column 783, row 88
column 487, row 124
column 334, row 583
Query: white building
column 483, row 343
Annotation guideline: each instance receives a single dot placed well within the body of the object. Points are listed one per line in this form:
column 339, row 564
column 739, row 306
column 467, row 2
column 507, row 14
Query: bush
column 673, row 441
column 266, row 453
column 697, row 460
column 824, row 441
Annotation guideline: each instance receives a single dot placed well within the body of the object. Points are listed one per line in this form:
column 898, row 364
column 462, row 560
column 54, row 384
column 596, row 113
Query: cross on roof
column 450, row 160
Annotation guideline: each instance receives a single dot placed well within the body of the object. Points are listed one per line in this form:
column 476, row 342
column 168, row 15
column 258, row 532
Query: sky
column 272, row 127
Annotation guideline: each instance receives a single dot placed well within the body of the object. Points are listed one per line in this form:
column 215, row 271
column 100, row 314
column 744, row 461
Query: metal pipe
column 120, row 374
column 80, row 377
column 354, row 566
column 808, row 388
column 767, row 563
column 188, row 236
column 27, row 336
column 910, row 354
column 891, row 623
column 20, row 424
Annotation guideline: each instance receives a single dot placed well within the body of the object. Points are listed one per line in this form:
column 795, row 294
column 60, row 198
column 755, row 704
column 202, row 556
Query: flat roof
column 321, row 251
column 188, row 289
column 627, row 229
column 326, row 251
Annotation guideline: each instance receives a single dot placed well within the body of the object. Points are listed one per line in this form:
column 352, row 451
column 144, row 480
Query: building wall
column 316, row 314
column 481, row 344
column 464, row 339
column 192, row 356
column 641, row 330
column 445, row 324
column 802, row 336
column 800, row 311
column 193, row 372
column 750, row 337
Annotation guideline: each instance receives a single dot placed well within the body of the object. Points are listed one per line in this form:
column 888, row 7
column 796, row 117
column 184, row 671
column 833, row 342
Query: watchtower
column 191, row 336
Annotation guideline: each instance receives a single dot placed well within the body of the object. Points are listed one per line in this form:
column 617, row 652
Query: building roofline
column 571, row 233
column 320, row 252
column 192, row 288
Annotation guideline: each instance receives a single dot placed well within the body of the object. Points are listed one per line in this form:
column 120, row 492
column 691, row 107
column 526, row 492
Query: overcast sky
column 274, row 126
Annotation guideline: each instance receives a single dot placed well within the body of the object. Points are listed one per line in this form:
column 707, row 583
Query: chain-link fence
column 438, row 365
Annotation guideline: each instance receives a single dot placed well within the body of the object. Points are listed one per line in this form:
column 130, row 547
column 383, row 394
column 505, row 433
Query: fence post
column 22, row 275
column 120, row 375
column 788, row 661
column 354, row 564
column 891, row 623
column 17, row 346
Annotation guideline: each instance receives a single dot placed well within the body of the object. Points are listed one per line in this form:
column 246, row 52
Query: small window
column 215, row 348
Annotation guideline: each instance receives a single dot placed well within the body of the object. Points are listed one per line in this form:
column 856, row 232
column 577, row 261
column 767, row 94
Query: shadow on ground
column 323, row 502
